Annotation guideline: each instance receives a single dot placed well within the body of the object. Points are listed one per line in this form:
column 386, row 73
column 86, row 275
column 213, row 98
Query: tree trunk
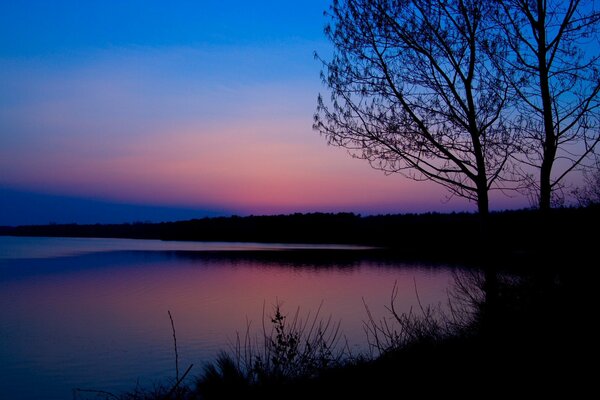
column 483, row 205
column 550, row 142
column 545, row 184
column 549, row 146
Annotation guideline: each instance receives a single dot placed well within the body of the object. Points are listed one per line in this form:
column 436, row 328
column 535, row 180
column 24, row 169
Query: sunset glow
column 207, row 116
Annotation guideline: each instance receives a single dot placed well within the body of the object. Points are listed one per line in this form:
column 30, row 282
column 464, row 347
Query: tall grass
column 290, row 348
column 298, row 355
column 427, row 324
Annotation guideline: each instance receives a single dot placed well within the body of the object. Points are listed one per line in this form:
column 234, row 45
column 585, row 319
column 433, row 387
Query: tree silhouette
column 415, row 91
column 553, row 57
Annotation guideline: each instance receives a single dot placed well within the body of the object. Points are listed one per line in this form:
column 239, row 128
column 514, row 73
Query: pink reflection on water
column 107, row 326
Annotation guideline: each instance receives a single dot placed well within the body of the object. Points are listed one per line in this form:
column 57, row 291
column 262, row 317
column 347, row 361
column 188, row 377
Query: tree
column 553, row 57
column 414, row 91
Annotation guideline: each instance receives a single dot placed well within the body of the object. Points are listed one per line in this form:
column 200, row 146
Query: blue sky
column 200, row 106
column 36, row 28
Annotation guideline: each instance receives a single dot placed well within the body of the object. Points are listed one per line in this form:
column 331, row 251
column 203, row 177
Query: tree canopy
column 473, row 95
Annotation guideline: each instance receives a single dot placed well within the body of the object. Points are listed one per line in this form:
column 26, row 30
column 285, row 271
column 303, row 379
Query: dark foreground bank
column 511, row 334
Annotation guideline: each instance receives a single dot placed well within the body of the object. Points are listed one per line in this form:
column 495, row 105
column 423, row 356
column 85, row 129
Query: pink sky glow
column 169, row 126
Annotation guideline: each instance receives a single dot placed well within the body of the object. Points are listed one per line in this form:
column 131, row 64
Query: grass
column 291, row 350
column 531, row 341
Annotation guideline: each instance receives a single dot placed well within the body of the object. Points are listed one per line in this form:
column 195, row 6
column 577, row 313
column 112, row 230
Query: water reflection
column 99, row 320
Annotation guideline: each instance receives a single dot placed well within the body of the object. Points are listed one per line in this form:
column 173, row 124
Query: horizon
column 76, row 211
column 162, row 111
column 23, row 208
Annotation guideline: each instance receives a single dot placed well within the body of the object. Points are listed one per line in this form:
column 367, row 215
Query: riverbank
column 529, row 337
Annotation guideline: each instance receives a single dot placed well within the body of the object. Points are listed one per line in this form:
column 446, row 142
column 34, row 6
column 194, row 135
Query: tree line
column 418, row 235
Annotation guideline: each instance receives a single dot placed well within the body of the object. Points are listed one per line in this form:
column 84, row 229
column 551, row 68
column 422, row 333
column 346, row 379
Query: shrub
column 292, row 349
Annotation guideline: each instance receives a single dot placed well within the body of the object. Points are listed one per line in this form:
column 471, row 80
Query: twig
column 425, row 314
column 371, row 327
column 175, row 344
column 176, row 385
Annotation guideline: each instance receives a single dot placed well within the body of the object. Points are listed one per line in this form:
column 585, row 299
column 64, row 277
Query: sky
column 120, row 111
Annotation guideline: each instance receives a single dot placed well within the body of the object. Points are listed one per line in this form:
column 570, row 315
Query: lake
column 93, row 313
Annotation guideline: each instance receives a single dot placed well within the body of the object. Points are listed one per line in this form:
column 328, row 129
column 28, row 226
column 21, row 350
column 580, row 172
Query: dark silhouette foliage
column 430, row 235
column 414, row 91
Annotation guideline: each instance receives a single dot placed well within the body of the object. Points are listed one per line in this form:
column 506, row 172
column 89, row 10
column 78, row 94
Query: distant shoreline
column 451, row 235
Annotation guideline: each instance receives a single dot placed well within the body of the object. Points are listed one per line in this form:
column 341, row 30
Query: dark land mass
column 429, row 235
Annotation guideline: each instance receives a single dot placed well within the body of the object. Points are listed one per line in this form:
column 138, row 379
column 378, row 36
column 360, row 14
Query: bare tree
column 553, row 57
column 414, row 91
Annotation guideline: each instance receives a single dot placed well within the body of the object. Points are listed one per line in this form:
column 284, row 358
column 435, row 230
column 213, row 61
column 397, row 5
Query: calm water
column 92, row 313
